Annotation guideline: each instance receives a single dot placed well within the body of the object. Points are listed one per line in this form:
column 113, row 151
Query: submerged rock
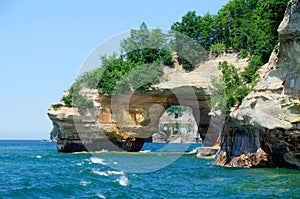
column 265, row 129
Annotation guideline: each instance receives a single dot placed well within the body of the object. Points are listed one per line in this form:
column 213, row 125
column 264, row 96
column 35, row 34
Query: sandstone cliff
column 125, row 122
column 265, row 129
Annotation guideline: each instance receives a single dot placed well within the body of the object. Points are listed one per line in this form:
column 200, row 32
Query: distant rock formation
column 264, row 131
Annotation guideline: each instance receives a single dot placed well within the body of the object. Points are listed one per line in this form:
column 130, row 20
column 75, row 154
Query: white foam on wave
column 115, row 172
column 107, row 173
column 85, row 183
column 145, row 151
column 102, row 151
column 194, row 151
column 123, row 181
column 38, row 157
column 100, row 173
column 97, row 161
column 100, row 195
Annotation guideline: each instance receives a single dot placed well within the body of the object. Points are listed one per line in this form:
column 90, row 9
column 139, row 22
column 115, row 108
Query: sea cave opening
column 178, row 128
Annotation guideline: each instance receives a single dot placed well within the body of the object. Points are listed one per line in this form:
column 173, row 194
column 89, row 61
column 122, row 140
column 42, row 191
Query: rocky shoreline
column 264, row 131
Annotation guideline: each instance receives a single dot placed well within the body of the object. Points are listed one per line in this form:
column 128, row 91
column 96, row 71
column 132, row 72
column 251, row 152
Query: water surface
column 33, row 169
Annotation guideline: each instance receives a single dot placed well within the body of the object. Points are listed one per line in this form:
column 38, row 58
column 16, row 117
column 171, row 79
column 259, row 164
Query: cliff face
column 122, row 122
column 125, row 122
column 265, row 129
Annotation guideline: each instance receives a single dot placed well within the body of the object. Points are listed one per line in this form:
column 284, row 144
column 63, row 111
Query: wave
column 100, row 195
column 100, row 173
column 107, row 173
column 145, row 151
column 123, row 181
column 85, row 183
column 98, row 161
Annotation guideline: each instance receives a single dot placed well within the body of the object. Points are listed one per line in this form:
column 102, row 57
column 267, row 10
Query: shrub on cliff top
column 232, row 85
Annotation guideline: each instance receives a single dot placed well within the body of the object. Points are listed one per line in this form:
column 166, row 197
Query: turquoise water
column 171, row 147
column 33, row 169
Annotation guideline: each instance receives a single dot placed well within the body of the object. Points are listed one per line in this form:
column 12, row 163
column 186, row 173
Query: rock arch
column 125, row 122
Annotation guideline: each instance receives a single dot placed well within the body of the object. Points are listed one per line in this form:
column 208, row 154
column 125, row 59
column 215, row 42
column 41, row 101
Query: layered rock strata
column 125, row 122
column 264, row 131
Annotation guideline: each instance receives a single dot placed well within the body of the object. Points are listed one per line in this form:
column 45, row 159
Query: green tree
column 233, row 85
column 178, row 111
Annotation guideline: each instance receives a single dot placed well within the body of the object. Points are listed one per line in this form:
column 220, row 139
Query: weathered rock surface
column 265, row 129
column 206, row 151
column 125, row 122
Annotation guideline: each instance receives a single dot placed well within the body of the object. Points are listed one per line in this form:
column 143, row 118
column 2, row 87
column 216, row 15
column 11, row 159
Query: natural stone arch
column 138, row 114
column 126, row 121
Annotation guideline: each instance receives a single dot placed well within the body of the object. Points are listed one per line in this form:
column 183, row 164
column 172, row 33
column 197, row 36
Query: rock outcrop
column 264, row 131
column 125, row 122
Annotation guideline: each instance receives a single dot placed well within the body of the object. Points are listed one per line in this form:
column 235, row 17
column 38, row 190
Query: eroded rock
column 264, row 130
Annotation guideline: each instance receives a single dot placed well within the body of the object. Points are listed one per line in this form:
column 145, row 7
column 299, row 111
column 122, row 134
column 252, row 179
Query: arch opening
column 177, row 125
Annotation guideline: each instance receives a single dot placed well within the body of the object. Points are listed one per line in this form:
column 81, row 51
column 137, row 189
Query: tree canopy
column 248, row 26
column 240, row 24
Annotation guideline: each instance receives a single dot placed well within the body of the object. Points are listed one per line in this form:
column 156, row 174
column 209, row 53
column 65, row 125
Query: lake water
column 34, row 169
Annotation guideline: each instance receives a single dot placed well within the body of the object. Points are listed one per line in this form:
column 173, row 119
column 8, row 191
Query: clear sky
column 44, row 43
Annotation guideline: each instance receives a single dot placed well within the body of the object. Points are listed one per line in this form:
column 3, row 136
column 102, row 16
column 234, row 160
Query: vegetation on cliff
column 139, row 66
column 245, row 26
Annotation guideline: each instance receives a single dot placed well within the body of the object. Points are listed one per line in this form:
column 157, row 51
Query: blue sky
column 44, row 43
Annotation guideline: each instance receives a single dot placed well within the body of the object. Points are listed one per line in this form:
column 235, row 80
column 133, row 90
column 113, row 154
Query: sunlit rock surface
column 125, row 122
column 265, row 129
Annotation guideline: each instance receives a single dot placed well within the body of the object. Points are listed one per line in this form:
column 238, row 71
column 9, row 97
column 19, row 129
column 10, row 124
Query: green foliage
column 68, row 99
column 140, row 65
column 74, row 98
column 186, row 65
column 240, row 24
column 189, row 25
column 188, row 37
column 250, row 74
column 244, row 54
column 190, row 52
column 149, row 55
column 217, row 89
column 138, row 68
column 56, row 106
column 91, row 78
column 217, row 48
column 178, row 111
column 231, row 85
column 144, row 38
column 82, row 103
column 250, row 25
column 140, row 78
column 114, row 70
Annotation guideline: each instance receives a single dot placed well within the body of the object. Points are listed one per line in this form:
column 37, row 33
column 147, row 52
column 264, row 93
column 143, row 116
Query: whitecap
column 100, row 173
column 102, row 151
column 85, row 183
column 194, row 151
column 38, row 156
column 115, row 172
column 145, row 151
column 97, row 161
column 107, row 173
column 100, row 195
column 123, row 180
column 79, row 164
